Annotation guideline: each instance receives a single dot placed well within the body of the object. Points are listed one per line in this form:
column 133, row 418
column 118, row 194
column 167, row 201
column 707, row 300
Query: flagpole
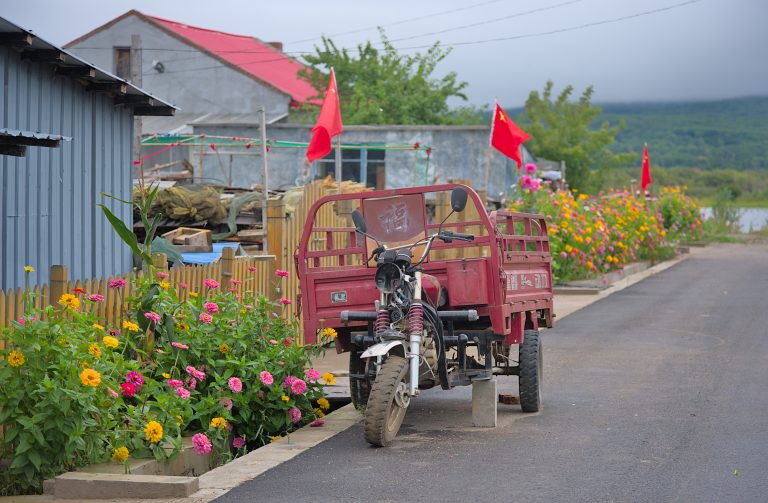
column 338, row 161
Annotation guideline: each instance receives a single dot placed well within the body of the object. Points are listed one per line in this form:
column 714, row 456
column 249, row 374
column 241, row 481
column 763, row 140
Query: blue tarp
column 208, row 257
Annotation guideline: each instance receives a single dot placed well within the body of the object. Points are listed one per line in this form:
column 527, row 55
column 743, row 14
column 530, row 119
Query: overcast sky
column 695, row 49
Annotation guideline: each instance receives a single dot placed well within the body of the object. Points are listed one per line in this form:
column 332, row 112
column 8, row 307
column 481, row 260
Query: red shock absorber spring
column 416, row 318
column 382, row 321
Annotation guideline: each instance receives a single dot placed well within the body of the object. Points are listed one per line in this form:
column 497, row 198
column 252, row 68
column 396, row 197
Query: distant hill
column 730, row 133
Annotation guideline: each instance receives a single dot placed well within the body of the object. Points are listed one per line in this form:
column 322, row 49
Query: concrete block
column 484, row 402
column 84, row 486
column 48, row 486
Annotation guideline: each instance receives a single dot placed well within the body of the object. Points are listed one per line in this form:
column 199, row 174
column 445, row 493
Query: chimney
column 276, row 45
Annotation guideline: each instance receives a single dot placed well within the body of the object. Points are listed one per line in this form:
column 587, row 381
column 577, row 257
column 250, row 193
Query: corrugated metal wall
column 48, row 205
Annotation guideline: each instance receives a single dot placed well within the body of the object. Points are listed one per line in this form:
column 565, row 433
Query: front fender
column 382, row 348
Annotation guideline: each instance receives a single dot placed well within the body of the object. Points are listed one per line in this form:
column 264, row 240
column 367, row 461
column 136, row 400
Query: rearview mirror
column 359, row 221
column 458, row 199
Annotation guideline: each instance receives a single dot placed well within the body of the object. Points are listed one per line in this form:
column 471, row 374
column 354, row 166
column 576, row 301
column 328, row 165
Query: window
column 358, row 165
column 123, row 62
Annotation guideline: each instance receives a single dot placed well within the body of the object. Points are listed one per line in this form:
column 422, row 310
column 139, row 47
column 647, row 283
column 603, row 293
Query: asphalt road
column 657, row 393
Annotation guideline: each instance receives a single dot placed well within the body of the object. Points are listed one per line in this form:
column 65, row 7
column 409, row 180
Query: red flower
column 416, row 145
column 79, row 290
column 128, row 389
column 285, row 302
column 429, row 151
column 213, row 147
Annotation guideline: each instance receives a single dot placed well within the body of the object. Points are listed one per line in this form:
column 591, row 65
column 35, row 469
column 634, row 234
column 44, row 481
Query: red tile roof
column 250, row 55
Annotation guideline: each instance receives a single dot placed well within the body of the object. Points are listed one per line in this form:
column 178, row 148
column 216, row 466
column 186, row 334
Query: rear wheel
column 387, row 402
column 530, row 361
column 359, row 385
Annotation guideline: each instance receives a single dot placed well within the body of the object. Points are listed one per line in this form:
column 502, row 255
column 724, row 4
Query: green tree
column 380, row 86
column 561, row 130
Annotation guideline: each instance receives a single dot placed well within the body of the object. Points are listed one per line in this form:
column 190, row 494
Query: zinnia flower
column 128, row 389
column 95, row 297
column 211, row 283
column 135, row 378
column 252, row 268
column 317, row 422
column 211, row 307
column 69, row 300
column 288, row 381
column 110, row 342
column 285, row 301
column 201, row 444
column 164, row 285
column 97, row 326
column 282, row 273
column 238, row 442
column 120, row 454
column 218, row 422
column 329, row 379
column 198, row 374
column 174, row 383
column 94, row 350
column 323, row 403
column 224, row 348
column 227, row 403
column 266, row 378
column 235, row 384
column 530, row 168
column 312, row 374
column 329, row 332
column 285, row 398
column 318, row 412
column 206, row 318
column 116, row 283
column 90, row 377
column 16, row 359
column 179, row 345
column 162, row 275
column 183, row 285
column 112, row 392
column 128, row 325
column 29, row 268
column 298, row 387
column 153, row 432
column 79, row 290
column 152, row 316
column 294, row 414
column 183, row 392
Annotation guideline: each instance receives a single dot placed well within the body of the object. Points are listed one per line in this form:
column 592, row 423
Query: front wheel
column 387, row 402
column 530, row 361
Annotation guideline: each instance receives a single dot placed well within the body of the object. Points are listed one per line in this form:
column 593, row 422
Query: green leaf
column 125, row 234
column 35, row 458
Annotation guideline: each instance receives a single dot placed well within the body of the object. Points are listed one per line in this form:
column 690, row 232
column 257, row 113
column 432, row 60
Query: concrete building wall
column 458, row 152
column 48, row 204
column 192, row 80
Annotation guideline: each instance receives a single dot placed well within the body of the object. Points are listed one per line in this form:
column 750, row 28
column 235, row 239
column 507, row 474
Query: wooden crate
column 188, row 239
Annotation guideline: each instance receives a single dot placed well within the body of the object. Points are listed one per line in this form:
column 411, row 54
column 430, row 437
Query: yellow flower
column 94, row 350
column 323, row 403
column 110, row 342
column 164, row 285
column 153, row 432
column 329, row 332
column 90, row 377
column 193, row 294
column 568, row 248
column 218, row 422
column 178, row 423
column 182, row 326
column 97, row 326
column 129, row 325
column 69, row 300
column 275, row 438
column 284, row 398
column 120, row 454
column 329, row 379
column 224, row 348
column 166, row 375
column 319, row 412
column 16, row 358
column 29, row 268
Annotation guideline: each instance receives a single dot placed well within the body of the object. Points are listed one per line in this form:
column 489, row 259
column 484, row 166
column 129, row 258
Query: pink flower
column 95, row 297
column 285, row 301
column 236, row 282
column 282, row 273
column 182, row 392
column 530, row 168
column 273, row 341
column 211, row 283
column 162, row 275
column 288, row 381
column 179, row 345
column 174, row 383
column 128, row 389
column 198, row 374
column 238, row 442
column 294, row 414
column 235, row 384
column 201, row 444
column 312, row 374
column 183, row 285
column 563, row 254
column 206, row 318
column 317, row 422
column 298, row 387
column 112, row 392
column 248, row 306
column 152, row 316
column 266, row 378
column 135, row 378
column 535, row 184
column 252, row 268
column 211, row 307
column 227, row 403
column 525, row 182
column 117, row 283
column 190, row 383
column 22, row 321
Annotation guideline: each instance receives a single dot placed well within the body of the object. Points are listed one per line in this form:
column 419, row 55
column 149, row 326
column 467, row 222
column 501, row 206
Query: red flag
column 328, row 123
column 645, row 180
column 506, row 136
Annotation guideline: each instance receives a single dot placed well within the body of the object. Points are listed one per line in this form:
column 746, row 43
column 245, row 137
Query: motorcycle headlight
column 388, row 277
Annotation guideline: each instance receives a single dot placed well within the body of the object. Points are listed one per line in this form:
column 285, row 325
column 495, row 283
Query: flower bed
column 222, row 365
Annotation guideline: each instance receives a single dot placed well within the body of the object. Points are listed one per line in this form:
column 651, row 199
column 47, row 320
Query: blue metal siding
column 48, row 205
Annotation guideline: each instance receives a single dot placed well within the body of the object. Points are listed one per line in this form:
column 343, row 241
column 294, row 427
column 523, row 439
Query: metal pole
column 338, row 162
column 136, row 62
column 264, row 180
